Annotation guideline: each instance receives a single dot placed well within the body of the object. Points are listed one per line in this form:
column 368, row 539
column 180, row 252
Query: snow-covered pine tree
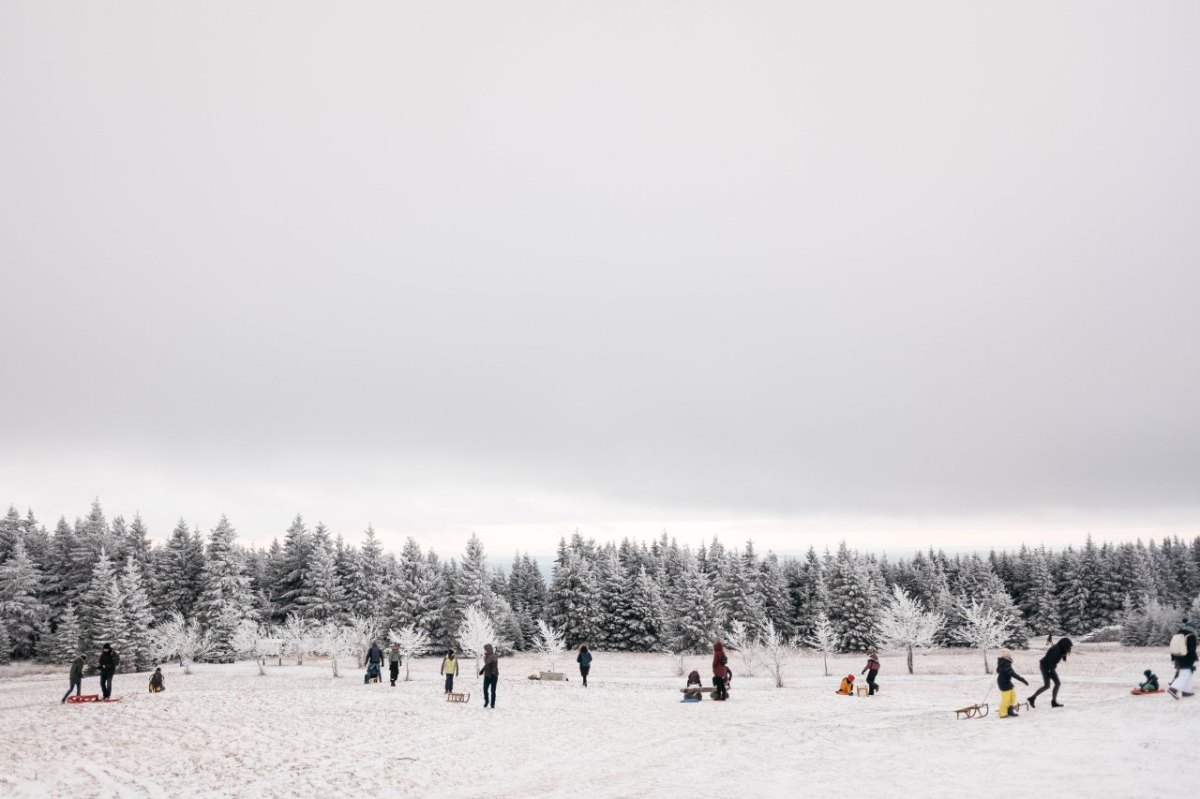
column 416, row 599
column 852, row 603
column 181, row 570
column 10, row 531
column 323, row 599
column 1075, row 593
column 695, row 622
column 102, row 615
column 806, row 591
column 289, row 594
column 63, row 644
column 773, row 593
column 22, row 612
column 612, row 605
column 5, row 646
column 226, row 598
column 373, row 594
column 1040, row 604
column 139, row 649
column 472, row 585
column 736, row 590
column 573, row 599
column 645, row 619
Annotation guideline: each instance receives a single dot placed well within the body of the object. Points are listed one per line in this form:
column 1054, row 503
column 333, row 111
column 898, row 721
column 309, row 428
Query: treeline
column 98, row 580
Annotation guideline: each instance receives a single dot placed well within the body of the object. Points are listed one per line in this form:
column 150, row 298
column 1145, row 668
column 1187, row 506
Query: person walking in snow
column 871, row 669
column 720, row 670
column 394, row 663
column 584, row 659
column 1049, row 666
column 450, row 669
column 157, row 685
column 374, row 663
column 1183, row 655
column 76, row 677
column 109, row 660
column 1004, row 681
column 490, row 673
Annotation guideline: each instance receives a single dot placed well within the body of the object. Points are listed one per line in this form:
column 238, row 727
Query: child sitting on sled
column 1150, row 683
column 847, row 686
column 157, row 685
column 693, row 682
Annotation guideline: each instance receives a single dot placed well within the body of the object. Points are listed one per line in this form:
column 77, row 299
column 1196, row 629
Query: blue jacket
column 584, row 659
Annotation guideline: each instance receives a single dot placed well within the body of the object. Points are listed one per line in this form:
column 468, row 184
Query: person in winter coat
column 1149, row 681
column 692, row 689
column 491, row 675
column 720, row 689
column 157, row 686
column 847, row 686
column 1183, row 655
column 394, row 663
column 1049, row 666
column 76, row 677
column 109, row 660
column 450, row 669
column 584, row 659
column 1004, row 681
column 871, row 669
column 374, row 663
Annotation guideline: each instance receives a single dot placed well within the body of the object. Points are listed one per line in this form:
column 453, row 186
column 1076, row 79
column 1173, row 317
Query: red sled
column 91, row 698
column 1140, row 692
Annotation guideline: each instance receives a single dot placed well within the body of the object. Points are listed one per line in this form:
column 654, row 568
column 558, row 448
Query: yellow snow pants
column 1007, row 700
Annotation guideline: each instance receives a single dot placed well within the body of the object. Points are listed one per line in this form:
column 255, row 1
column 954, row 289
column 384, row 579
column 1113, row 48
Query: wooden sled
column 863, row 690
column 971, row 712
column 1140, row 692
column 461, row 698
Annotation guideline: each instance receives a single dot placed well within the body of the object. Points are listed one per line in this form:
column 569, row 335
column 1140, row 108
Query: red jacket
column 719, row 669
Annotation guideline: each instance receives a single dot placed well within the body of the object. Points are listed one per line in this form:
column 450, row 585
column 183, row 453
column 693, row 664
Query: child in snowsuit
column 156, row 681
column 693, row 680
column 394, row 663
column 76, row 677
column 1049, row 667
column 1150, row 683
column 847, row 686
column 1004, row 681
column 871, row 670
column 450, row 669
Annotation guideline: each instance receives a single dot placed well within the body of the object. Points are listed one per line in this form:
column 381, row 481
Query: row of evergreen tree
column 98, row 581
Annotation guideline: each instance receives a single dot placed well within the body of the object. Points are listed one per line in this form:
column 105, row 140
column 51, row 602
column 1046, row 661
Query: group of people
column 846, row 687
column 106, row 663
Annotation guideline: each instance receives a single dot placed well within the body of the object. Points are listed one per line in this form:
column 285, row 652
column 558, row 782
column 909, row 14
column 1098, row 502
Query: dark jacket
column 156, row 680
column 491, row 664
column 1005, row 675
column 77, row 669
column 719, row 660
column 584, row 659
column 109, row 660
column 374, row 654
column 1187, row 661
column 1056, row 653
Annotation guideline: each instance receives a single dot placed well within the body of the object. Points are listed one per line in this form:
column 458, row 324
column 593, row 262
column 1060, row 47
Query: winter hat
column 850, row 677
column 1147, row 673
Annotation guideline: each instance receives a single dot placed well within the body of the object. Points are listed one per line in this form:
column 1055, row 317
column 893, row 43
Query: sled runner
column 971, row 712
column 74, row 700
column 1140, row 692
column 463, row 698
column 863, row 690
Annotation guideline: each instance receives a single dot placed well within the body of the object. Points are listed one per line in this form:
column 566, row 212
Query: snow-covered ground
column 297, row 732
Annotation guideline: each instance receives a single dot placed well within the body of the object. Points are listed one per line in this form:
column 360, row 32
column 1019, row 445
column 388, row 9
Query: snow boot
column 1030, row 700
column 1187, row 693
column 1174, row 692
column 1056, row 704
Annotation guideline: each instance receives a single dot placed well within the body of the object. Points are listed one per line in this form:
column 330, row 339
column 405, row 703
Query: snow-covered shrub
column 824, row 639
column 1152, row 625
column 335, row 640
column 362, row 631
column 412, row 641
column 550, row 642
column 776, row 650
column 904, row 624
column 982, row 627
column 297, row 636
column 741, row 639
column 178, row 637
column 475, row 631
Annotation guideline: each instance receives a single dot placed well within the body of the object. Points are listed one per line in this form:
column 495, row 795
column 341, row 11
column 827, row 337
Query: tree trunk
column 986, row 668
column 910, row 671
column 825, row 659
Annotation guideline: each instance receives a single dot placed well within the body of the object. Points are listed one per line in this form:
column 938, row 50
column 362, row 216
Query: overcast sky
column 918, row 273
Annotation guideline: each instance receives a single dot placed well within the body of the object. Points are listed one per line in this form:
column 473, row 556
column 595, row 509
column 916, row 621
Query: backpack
column 1179, row 645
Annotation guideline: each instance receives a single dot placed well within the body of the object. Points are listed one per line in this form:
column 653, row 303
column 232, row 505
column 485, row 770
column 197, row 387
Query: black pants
column 1048, row 676
column 395, row 667
column 76, row 686
column 489, row 685
column 106, row 683
column 583, row 671
column 719, row 691
column 871, row 681
column 449, row 683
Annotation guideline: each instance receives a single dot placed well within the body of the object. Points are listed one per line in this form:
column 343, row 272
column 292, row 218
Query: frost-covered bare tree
column 178, row 637
column 335, row 640
column 983, row 628
column 550, row 642
column 775, row 650
column 741, row 639
column 904, row 624
column 412, row 641
column 475, row 631
column 296, row 633
column 678, row 658
column 824, row 639
column 363, row 631
column 255, row 641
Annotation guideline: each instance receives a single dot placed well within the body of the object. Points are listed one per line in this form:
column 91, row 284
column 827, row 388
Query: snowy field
column 298, row 732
